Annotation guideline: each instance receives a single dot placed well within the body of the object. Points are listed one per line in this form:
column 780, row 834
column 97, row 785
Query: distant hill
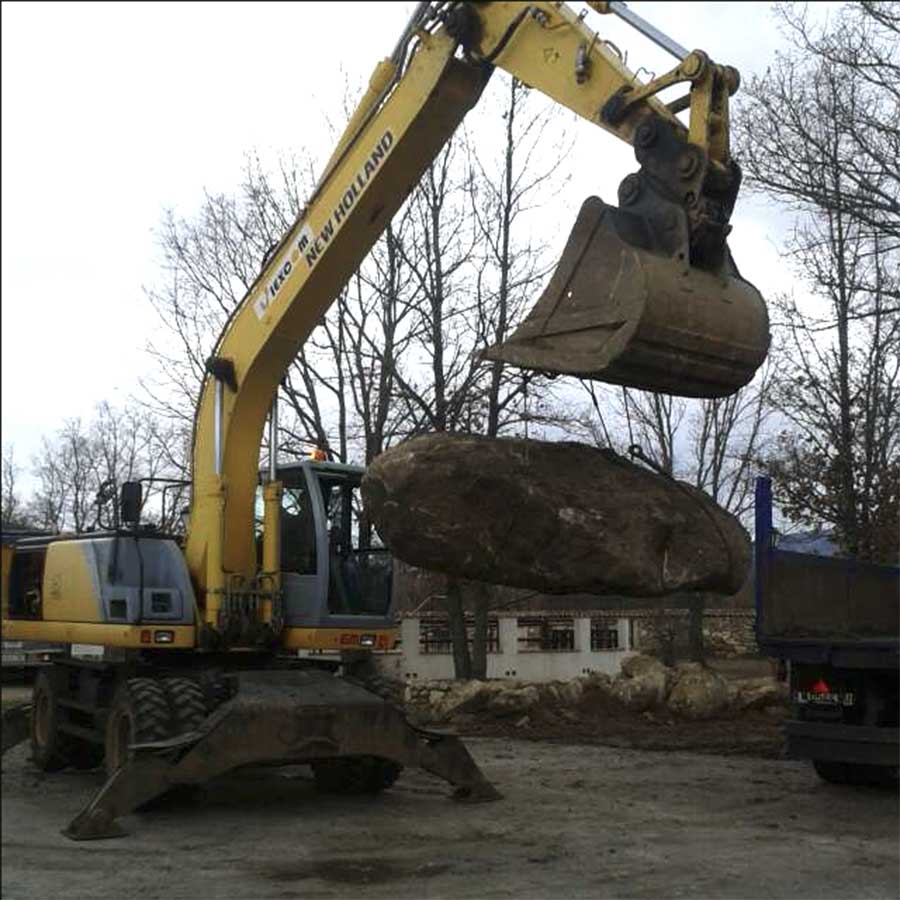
column 816, row 543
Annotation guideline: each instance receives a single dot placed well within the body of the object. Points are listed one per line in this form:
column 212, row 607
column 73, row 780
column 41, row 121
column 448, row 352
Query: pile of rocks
column 689, row 690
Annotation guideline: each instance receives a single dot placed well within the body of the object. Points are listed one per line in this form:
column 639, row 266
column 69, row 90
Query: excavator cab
column 335, row 571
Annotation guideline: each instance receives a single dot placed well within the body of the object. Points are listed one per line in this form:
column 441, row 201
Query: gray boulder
column 554, row 517
column 643, row 684
column 698, row 692
column 514, row 701
column 758, row 693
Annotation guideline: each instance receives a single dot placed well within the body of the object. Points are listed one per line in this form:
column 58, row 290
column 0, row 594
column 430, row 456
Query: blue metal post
column 763, row 547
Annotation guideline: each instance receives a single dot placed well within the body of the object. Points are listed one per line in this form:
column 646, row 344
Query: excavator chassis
column 280, row 717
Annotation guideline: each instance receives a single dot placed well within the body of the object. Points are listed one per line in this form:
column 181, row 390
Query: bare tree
column 512, row 264
column 80, row 468
column 398, row 352
column 210, row 261
column 13, row 509
column 512, row 261
column 820, row 132
column 830, row 105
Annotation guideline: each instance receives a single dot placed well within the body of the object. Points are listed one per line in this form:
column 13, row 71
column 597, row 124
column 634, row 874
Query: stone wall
column 726, row 632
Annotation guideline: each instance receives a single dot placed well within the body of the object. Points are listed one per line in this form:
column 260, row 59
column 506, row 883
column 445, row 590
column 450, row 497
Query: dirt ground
column 581, row 817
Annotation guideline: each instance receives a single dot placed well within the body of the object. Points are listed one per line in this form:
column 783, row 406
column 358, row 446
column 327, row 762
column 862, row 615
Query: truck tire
column 856, row 773
column 139, row 713
column 49, row 746
column 187, row 704
column 350, row 775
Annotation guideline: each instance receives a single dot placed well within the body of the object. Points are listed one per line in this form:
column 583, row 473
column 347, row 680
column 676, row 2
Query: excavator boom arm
column 415, row 101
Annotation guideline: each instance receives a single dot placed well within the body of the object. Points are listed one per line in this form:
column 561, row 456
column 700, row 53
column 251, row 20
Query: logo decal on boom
column 311, row 246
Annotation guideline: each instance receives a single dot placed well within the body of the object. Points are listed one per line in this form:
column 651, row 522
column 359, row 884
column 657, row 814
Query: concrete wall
column 410, row 663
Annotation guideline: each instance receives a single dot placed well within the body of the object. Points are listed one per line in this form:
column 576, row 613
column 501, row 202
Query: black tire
column 349, row 775
column 831, row 771
column 139, row 713
column 859, row 774
column 187, row 704
column 49, row 747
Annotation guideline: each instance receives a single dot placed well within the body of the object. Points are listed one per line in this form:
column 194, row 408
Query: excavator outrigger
column 195, row 679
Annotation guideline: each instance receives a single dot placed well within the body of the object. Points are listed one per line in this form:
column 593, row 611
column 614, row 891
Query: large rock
column 514, row 701
column 649, row 667
column 698, row 692
column 758, row 693
column 554, row 517
column 467, row 696
column 644, row 683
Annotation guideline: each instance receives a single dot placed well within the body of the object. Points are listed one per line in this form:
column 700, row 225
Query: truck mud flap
column 280, row 718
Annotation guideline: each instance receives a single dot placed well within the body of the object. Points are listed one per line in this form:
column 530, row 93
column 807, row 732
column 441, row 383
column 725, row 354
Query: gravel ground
column 576, row 821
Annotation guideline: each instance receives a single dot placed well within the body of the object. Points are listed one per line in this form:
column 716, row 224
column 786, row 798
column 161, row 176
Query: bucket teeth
column 621, row 311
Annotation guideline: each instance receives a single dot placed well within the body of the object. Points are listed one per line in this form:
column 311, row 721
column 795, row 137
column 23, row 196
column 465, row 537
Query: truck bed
column 804, row 600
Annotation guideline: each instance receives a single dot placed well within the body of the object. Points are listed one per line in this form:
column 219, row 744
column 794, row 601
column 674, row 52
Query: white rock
column 641, row 666
column 570, row 692
column 468, row 696
column 698, row 693
column 643, row 684
column 513, row 701
column 757, row 693
column 638, row 694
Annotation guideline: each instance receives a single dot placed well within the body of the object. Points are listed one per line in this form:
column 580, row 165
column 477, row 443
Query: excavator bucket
column 286, row 717
column 622, row 310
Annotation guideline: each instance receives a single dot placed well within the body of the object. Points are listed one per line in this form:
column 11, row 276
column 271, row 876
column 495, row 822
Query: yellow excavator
column 200, row 673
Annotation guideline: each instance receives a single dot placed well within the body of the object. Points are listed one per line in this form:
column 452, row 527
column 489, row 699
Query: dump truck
column 199, row 674
column 835, row 621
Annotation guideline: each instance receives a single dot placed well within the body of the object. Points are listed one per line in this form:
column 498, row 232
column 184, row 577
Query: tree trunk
column 696, row 605
column 456, row 615
column 480, row 603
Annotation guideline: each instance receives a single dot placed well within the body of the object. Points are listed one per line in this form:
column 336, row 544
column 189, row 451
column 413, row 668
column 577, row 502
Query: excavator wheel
column 49, row 746
column 355, row 774
column 188, row 709
column 139, row 714
column 187, row 704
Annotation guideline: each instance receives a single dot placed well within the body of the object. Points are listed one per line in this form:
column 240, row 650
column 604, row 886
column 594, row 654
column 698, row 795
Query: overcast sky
column 113, row 112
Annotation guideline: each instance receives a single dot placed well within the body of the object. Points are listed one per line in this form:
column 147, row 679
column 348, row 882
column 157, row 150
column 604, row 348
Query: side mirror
column 131, row 501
